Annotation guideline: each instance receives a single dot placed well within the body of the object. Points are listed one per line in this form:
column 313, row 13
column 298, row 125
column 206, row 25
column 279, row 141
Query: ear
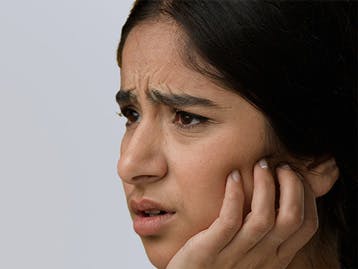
column 321, row 175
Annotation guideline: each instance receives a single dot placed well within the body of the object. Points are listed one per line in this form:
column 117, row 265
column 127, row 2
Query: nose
column 142, row 159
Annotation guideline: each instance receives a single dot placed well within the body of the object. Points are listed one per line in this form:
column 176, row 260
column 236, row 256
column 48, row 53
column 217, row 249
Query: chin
column 158, row 263
column 160, row 251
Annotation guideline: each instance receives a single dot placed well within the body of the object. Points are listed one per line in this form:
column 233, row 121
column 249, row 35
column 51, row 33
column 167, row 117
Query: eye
column 188, row 120
column 131, row 114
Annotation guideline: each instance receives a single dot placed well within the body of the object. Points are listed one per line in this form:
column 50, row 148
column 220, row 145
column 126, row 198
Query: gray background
column 61, row 202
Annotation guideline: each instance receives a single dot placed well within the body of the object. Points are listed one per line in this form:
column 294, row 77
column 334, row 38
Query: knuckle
column 229, row 226
column 262, row 225
column 311, row 226
column 294, row 218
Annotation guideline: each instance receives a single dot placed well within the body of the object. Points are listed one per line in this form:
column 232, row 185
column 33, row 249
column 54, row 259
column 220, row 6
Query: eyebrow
column 178, row 100
column 172, row 100
column 124, row 97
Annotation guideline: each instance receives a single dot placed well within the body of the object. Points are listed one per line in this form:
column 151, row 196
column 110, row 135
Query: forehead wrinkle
column 176, row 100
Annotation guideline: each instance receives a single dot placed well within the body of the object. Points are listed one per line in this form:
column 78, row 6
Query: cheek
column 128, row 188
column 201, row 171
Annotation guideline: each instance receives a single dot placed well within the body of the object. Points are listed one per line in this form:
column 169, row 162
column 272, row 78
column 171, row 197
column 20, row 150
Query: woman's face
column 184, row 136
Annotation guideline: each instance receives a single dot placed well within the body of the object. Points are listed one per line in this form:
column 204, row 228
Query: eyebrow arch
column 178, row 100
column 124, row 97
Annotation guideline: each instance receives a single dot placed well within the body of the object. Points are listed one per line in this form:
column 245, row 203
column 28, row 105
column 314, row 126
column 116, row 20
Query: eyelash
column 126, row 112
column 200, row 119
column 129, row 111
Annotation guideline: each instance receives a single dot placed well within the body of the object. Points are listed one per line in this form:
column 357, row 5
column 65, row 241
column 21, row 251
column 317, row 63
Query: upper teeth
column 152, row 212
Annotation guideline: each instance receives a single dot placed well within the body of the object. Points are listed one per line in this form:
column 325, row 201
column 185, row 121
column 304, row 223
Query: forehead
column 153, row 54
column 152, row 58
column 152, row 42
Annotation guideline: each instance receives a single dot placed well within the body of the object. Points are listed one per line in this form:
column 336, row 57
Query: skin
column 184, row 162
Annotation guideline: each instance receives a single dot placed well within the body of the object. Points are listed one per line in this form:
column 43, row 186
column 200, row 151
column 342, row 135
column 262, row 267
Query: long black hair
column 296, row 61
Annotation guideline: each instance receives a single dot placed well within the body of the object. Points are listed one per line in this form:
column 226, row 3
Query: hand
column 267, row 238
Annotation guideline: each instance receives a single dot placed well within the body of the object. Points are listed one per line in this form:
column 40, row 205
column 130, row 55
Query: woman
column 241, row 141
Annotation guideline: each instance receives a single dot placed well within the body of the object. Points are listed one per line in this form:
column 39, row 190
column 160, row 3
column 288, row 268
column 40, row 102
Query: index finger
column 225, row 227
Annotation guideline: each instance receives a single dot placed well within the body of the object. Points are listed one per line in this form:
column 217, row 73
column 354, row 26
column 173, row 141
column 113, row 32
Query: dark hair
column 296, row 61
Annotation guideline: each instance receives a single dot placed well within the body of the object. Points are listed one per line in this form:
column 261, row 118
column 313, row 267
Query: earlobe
column 322, row 176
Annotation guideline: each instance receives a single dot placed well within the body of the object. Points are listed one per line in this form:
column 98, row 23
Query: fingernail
column 285, row 166
column 235, row 176
column 263, row 164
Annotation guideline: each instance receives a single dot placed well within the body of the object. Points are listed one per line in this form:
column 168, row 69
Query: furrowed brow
column 124, row 97
column 176, row 100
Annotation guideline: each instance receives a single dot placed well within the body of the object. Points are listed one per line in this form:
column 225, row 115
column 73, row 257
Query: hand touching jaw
column 184, row 136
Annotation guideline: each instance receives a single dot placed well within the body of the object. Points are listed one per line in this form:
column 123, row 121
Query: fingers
column 224, row 228
column 265, row 239
column 291, row 205
column 297, row 219
column 203, row 249
column 307, row 229
column 282, row 233
column 263, row 199
column 262, row 216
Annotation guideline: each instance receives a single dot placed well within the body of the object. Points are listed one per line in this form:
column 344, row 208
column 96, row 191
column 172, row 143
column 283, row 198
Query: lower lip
column 146, row 226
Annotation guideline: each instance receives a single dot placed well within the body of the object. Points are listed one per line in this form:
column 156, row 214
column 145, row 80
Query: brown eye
column 131, row 115
column 186, row 120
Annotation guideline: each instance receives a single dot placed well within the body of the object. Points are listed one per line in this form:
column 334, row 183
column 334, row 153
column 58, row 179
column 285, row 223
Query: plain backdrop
column 61, row 202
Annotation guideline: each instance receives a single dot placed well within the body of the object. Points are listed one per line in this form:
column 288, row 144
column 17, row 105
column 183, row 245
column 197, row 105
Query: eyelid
column 129, row 106
column 124, row 109
column 202, row 120
column 190, row 113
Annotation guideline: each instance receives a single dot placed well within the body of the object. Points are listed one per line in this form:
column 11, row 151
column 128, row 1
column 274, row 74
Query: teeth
column 152, row 212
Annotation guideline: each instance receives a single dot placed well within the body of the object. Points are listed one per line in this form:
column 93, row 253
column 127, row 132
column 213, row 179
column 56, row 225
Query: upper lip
column 139, row 206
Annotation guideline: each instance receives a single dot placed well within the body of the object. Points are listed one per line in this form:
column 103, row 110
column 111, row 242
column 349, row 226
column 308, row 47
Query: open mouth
column 147, row 208
column 151, row 217
column 153, row 213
